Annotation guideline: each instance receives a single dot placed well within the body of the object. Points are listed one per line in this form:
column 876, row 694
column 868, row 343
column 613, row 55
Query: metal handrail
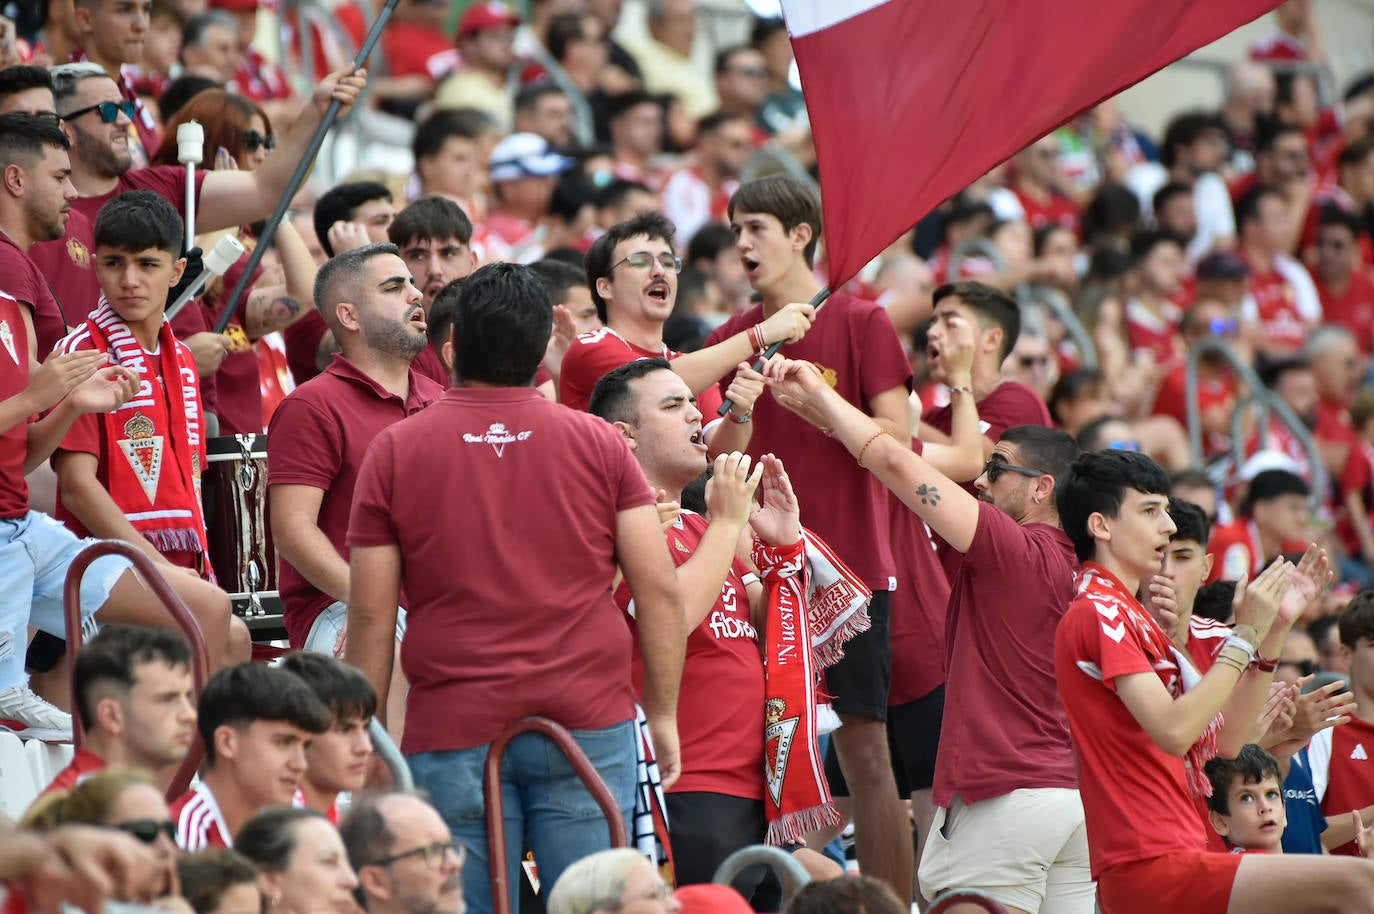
column 1261, row 399
column 948, row 900
column 386, row 750
column 492, row 798
column 791, row 874
column 200, row 655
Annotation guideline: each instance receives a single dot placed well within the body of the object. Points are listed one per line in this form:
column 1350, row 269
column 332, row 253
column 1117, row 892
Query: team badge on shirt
column 7, row 340
column 777, row 747
column 498, row 436
column 80, row 255
column 143, row 449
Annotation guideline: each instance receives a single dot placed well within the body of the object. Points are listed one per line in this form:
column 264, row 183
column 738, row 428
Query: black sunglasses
column 109, row 111
column 255, row 141
column 994, row 469
column 147, row 830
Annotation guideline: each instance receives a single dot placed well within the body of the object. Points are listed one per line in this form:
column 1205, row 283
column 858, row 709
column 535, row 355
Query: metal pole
column 299, row 175
column 817, row 300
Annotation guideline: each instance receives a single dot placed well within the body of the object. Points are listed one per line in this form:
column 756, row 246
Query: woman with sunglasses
column 127, row 799
column 302, row 865
column 239, row 137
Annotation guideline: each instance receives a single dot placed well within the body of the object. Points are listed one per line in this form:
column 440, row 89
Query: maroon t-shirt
column 21, row 279
column 302, row 341
column 504, row 507
column 167, row 181
column 918, row 607
column 68, row 264
column 431, row 366
column 318, row 437
column 14, row 378
column 720, row 708
column 1006, row 728
column 190, row 320
column 854, row 345
column 238, row 384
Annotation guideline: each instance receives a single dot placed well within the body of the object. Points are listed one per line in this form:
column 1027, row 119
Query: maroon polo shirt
column 318, row 437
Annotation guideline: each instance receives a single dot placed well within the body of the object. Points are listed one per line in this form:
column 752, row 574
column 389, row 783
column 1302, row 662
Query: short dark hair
column 237, row 696
column 558, row 277
column 1356, row 621
column 1331, row 214
column 179, row 92
column 1166, row 194
column 722, row 61
column 612, row 398
column 194, row 29
column 501, row 326
column 1215, row 601
column 1269, row 485
column 993, row 308
column 139, row 220
column 786, row 199
column 651, row 225
column 207, row 875
column 619, row 104
column 1050, row 450
column 851, row 894
column 1088, row 436
column 112, row 657
column 1191, row 521
column 618, row 191
column 1355, row 152
column 431, row 217
column 14, row 80
column 25, row 138
column 765, row 27
column 339, row 203
column 709, row 241
column 1272, row 371
column 529, row 94
column 1097, row 483
column 1072, row 385
column 439, row 322
column 715, row 120
column 347, row 267
column 1142, row 243
column 269, row 838
column 1269, row 132
column 434, row 131
column 341, row 687
column 1252, row 765
column 1248, row 206
column 1185, row 130
column 564, row 29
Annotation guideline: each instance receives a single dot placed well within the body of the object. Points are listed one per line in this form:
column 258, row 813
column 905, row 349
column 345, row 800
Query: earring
column 1036, row 499
column 274, row 900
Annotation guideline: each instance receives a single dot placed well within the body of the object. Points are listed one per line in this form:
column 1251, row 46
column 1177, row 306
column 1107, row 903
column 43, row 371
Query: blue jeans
column 546, row 808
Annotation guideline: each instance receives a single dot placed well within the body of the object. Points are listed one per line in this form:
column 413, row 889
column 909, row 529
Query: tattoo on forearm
column 930, row 495
column 275, row 313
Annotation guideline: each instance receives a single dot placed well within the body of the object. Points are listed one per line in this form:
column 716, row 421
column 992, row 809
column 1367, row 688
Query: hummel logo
column 1359, row 754
column 1115, row 632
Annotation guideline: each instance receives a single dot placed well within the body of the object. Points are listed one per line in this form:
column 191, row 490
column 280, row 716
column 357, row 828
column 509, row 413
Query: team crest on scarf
column 7, row 340
column 143, row 449
column 778, row 734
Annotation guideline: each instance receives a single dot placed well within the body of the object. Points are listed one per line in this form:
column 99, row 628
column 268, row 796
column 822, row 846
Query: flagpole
column 816, row 301
column 298, row 177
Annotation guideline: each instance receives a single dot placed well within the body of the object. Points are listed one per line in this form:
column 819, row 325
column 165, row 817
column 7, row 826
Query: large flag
column 912, row 100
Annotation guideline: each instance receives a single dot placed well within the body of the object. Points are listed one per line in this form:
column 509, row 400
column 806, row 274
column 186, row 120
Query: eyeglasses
column 994, row 469
column 255, row 141
column 750, row 72
column 643, row 260
column 147, row 830
column 1305, row 667
column 109, row 111
column 433, row 853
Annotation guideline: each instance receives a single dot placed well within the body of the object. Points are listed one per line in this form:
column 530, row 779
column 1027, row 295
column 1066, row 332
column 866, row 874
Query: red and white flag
column 912, row 100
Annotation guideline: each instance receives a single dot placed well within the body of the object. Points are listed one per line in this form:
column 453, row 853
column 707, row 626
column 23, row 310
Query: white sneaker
column 25, row 714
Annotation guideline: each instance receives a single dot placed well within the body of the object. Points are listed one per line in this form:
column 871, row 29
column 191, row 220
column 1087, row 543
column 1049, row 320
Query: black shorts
column 861, row 680
column 705, row 828
column 913, row 738
column 45, row 651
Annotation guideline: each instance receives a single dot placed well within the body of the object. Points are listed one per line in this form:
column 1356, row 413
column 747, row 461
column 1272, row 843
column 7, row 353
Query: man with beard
column 112, row 33
column 321, row 431
column 405, row 856
column 434, row 236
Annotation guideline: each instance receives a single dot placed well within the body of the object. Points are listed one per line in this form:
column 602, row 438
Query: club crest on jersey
column 80, row 254
column 143, row 449
column 778, row 733
column 498, row 436
column 7, row 340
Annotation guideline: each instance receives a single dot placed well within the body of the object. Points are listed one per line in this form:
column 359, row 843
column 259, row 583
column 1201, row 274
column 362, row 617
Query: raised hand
column 344, row 85
column 105, row 391
column 669, row 509
column 1364, row 834
column 1162, row 602
column 730, row 493
column 745, row 389
column 778, row 520
column 1257, row 603
column 346, row 236
column 1276, row 717
column 798, row 386
column 564, row 332
column 61, row 374
column 1310, row 580
column 957, row 352
column 790, row 323
column 1329, row 706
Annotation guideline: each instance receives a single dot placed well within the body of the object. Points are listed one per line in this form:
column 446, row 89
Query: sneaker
column 28, row 716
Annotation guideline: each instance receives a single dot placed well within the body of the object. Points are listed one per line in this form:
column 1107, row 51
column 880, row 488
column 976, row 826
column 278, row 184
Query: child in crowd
column 1247, row 802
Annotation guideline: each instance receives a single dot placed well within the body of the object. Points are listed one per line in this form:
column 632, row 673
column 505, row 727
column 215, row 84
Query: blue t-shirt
column 1305, row 819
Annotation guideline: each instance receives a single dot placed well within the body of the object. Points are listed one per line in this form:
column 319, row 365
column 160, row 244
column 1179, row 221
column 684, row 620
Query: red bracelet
column 1264, row 664
column 753, row 334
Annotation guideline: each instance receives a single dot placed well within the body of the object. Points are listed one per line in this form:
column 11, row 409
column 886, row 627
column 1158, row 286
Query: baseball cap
column 709, row 898
column 488, row 15
column 523, row 154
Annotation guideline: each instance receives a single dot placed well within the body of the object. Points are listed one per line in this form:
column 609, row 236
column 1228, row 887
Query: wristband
column 1240, row 644
column 753, row 334
column 741, row 420
column 962, row 389
column 778, row 562
column 1248, row 634
column 1264, row 664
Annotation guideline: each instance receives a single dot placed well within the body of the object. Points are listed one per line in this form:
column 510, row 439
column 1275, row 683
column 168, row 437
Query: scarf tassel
column 831, row 651
column 792, row 827
column 174, row 539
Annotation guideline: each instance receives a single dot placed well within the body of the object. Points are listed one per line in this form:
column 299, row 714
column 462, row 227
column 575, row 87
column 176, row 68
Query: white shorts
column 324, row 631
column 1027, row 849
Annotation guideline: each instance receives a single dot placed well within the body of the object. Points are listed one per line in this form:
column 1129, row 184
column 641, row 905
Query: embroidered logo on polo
column 143, row 449
column 79, row 254
column 778, row 734
column 7, row 340
column 498, row 436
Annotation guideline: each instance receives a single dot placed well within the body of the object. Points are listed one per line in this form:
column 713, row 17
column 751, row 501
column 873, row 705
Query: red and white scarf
column 815, row 604
column 155, row 442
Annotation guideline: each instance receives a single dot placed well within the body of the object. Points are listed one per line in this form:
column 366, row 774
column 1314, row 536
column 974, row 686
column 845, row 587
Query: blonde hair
column 88, row 803
column 594, row 883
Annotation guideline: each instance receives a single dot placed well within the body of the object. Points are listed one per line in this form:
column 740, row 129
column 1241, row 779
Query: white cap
column 522, row 154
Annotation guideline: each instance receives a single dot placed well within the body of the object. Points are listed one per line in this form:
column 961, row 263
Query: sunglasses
column 643, row 260
column 255, row 141
column 1033, row 361
column 147, row 830
column 109, row 111
column 994, row 469
column 1223, row 326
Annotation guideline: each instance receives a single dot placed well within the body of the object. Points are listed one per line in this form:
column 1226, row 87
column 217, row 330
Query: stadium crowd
column 1038, row 561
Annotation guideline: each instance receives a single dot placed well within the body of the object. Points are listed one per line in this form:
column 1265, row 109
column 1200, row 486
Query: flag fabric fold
column 912, row 100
